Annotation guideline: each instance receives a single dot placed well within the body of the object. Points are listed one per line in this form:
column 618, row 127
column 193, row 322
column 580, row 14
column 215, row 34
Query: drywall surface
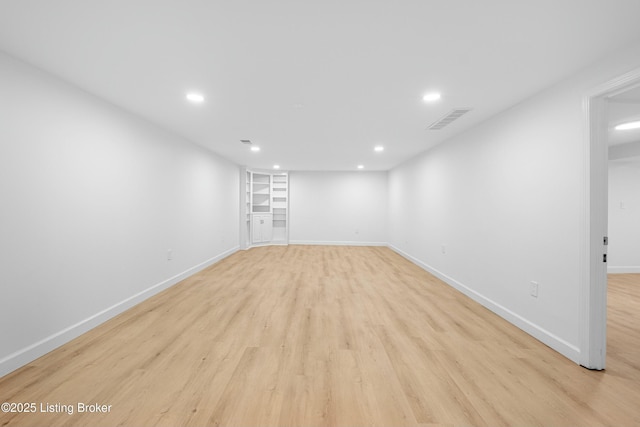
column 341, row 208
column 624, row 216
column 93, row 198
column 498, row 207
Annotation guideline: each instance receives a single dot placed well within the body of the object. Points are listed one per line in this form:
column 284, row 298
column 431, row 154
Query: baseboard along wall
column 568, row 350
column 30, row 353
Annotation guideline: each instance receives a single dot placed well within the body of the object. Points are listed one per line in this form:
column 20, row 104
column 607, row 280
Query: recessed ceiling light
column 195, row 97
column 378, row 148
column 276, row 166
column 360, row 166
column 255, row 148
column 628, row 126
column 431, row 97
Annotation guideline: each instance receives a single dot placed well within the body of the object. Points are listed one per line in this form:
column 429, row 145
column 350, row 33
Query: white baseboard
column 261, row 245
column 622, row 270
column 568, row 350
column 30, row 353
column 335, row 243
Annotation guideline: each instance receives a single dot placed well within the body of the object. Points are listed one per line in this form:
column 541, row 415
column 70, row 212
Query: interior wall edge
column 32, row 352
column 563, row 347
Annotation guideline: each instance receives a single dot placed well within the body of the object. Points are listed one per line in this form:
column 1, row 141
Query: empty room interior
column 356, row 213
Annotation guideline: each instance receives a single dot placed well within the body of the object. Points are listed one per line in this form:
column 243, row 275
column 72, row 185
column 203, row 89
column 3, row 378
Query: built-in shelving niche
column 266, row 208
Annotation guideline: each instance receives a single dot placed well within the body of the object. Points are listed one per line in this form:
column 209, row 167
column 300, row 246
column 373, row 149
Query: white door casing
column 593, row 266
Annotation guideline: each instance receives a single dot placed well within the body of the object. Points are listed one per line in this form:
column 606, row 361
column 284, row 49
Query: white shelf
column 260, row 178
column 267, row 201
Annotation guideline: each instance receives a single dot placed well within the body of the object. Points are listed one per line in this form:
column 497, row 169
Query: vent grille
column 246, row 141
column 453, row 115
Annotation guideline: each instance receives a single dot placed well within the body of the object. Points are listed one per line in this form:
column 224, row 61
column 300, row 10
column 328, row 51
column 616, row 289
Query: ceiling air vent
column 246, row 141
column 454, row 114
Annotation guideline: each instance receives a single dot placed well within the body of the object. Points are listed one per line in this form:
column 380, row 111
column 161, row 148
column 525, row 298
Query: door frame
column 593, row 270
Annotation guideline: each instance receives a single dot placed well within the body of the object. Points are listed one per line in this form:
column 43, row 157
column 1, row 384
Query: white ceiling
column 623, row 108
column 315, row 83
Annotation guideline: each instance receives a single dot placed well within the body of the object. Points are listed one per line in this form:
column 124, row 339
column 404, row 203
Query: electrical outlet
column 169, row 254
column 533, row 289
column 444, row 249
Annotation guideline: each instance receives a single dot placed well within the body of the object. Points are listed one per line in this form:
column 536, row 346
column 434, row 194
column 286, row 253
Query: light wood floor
column 322, row 336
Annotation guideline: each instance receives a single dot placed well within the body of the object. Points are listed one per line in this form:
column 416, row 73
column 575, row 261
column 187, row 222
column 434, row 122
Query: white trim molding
column 623, row 270
column 563, row 347
column 593, row 269
column 335, row 243
column 30, row 353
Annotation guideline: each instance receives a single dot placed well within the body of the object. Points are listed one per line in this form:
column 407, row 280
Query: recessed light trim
column 378, row 148
column 255, row 148
column 628, row 125
column 195, row 97
column 360, row 166
column 276, row 166
column 431, row 97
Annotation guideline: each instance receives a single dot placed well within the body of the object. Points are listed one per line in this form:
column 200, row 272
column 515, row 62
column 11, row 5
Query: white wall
column 505, row 199
column 345, row 208
column 92, row 198
column 624, row 216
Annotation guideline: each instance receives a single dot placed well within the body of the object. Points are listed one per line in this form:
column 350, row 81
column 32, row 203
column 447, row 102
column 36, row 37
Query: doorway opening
column 593, row 290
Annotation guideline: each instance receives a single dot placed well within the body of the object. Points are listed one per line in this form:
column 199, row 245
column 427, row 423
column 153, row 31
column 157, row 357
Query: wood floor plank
column 328, row 336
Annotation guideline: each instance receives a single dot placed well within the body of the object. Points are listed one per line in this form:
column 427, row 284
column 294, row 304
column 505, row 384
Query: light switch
column 533, row 290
